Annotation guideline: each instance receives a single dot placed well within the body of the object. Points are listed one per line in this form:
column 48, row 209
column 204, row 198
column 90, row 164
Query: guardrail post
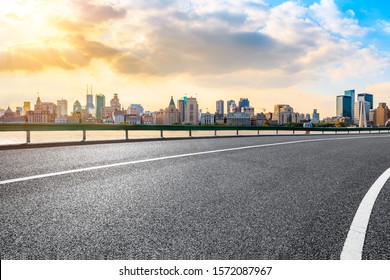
column 237, row 131
column 161, row 133
column 258, row 132
column 127, row 134
column 277, row 132
column 293, row 131
column 215, row 132
column 322, row 132
column 190, row 133
column 369, row 131
column 335, row 132
column 348, row 131
column 84, row 135
column 28, row 138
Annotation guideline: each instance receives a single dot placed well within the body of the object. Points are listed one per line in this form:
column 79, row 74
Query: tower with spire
column 89, row 106
column 171, row 114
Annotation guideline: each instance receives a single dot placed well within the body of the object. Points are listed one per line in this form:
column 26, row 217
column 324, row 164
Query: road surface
column 170, row 200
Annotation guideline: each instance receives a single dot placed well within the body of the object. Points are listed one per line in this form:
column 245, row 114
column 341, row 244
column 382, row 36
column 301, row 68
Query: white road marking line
column 353, row 246
column 176, row 156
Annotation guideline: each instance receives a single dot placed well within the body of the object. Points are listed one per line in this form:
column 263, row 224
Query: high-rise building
column 26, row 107
column 229, row 105
column 382, row 114
column 220, row 107
column 77, row 107
column 315, row 117
column 191, row 110
column 361, row 113
column 351, row 93
column 181, row 104
column 284, row 111
column 244, row 102
column 100, row 103
column 62, row 108
column 366, row 97
column 343, row 106
column 89, row 107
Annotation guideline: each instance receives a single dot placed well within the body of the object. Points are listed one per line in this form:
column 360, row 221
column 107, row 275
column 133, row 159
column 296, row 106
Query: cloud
column 385, row 25
column 75, row 52
column 288, row 41
column 332, row 19
column 86, row 10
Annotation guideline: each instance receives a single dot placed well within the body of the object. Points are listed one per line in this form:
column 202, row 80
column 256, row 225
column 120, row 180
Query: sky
column 302, row 53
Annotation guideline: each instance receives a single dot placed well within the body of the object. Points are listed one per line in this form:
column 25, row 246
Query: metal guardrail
column 28, row 127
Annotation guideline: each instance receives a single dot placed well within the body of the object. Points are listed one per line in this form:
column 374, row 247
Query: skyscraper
column 181, row 104
column 26, row 107
column 220, row 107
column 351, row 93
column 343, row 106
column 366, row 97
column 100, row 103
column 89, row 107
column 229, row 104
column 191, row 110
column 244, row 102
column 62, row 108
column 77, row 107
column 283, row 113
column 316, row 117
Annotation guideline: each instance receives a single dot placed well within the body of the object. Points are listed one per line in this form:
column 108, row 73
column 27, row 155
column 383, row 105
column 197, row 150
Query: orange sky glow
column 148, row 51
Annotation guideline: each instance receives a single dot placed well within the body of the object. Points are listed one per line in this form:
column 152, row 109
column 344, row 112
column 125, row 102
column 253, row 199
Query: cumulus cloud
column 331, row 18
column 198, row 38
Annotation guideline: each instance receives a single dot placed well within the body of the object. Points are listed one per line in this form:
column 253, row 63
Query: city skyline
column 268, row 51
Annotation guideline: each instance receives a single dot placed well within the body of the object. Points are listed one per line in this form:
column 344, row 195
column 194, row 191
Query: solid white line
column 353, row 246
column 176, row 156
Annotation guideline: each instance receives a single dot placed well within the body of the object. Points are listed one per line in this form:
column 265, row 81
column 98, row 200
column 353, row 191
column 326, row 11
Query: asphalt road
column 294, row 201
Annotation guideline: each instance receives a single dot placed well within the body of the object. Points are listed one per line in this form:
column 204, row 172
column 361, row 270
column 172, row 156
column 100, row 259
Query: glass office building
column 343, row 106
column 244, row 102
column 366, row 97
column 100, row 103
column 351, row 93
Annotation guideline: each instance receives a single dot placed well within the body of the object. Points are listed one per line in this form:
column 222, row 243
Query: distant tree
column 293, row 124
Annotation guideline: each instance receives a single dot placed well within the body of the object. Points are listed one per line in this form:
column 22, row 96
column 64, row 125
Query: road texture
column 294, row 201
